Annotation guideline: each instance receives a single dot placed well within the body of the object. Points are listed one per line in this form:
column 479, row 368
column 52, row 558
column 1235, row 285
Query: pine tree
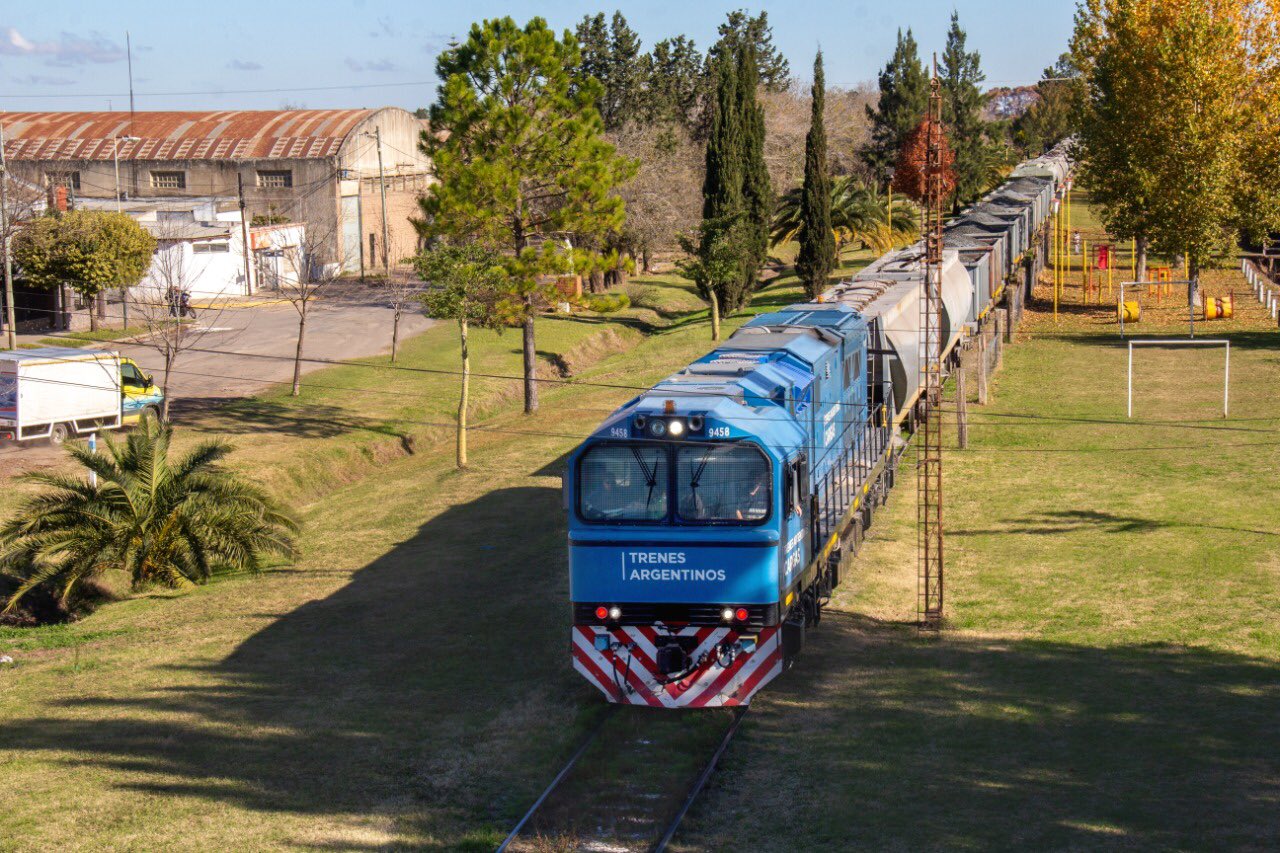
column 962, row 114
column 676, row 82
column 740, row 29
column 817, row 242
column 519, row 152
column 904, row 97
column 757, row 191
column 611, row 54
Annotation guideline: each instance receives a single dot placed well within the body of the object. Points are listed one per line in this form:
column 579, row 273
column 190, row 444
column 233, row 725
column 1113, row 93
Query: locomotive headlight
column 615, row 613
column 675, row 428
column 657, row 429
column 727, row 614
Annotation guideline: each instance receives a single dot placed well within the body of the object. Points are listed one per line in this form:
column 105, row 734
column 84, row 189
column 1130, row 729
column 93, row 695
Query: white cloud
column 67, row 49
column 244, row 65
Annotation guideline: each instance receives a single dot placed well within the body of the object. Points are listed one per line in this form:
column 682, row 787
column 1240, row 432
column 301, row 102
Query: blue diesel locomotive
column 711, row 516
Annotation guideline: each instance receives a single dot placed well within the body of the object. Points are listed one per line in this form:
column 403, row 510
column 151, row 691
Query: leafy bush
column 174, row 523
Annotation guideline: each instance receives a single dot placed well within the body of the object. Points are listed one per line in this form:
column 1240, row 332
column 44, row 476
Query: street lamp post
column 115, row 156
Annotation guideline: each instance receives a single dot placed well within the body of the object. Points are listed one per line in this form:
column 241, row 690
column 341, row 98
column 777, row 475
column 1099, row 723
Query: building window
column 275, row 179
column 169, row 180
column 70, row 180
column 210, row 247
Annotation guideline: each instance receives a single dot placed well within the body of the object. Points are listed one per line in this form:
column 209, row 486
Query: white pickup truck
column 57, row 393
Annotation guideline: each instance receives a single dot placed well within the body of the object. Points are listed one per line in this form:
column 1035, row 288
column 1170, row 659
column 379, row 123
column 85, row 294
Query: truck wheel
column 59, row 434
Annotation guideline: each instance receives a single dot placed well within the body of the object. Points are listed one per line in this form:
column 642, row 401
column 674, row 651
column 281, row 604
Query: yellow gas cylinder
column 1129, row 312
column 1219, row 307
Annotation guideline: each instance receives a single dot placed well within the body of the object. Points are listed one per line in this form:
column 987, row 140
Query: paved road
column 350, row 321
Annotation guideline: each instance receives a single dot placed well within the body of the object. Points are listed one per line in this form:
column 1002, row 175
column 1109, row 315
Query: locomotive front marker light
column 696, row 423
column 615, row 613
column 602, row 612
column 640, row 421
column 741, row 614
column 727, row 614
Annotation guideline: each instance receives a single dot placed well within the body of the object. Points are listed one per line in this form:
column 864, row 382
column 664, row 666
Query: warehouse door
column 351, row 233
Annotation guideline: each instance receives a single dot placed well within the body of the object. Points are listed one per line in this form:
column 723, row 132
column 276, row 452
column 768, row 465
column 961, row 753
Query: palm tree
column 157, row 520
column 859, row 213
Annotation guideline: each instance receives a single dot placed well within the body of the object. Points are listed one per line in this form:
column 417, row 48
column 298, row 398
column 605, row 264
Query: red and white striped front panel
column 627, row 672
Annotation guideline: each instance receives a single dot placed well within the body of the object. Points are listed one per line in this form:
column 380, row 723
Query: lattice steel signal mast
column 929, row 466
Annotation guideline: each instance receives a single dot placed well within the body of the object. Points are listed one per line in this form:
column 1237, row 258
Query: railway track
column 629, row 784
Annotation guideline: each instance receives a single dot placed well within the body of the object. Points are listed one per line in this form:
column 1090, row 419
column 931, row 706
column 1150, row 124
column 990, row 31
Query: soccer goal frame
column 1179, row 342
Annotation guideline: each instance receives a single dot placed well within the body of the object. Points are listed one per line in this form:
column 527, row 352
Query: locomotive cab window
column 623, row 482
column 723, row 483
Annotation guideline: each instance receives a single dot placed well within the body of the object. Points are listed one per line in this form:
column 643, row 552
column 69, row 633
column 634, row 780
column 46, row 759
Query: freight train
column 711, row 517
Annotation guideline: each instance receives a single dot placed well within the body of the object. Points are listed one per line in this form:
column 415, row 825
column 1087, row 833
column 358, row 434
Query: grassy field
column 407, row 683
column 1108, row 676
column 1110, row 671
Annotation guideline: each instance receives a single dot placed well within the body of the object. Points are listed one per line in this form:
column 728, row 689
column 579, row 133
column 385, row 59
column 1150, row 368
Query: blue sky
column 70, row 56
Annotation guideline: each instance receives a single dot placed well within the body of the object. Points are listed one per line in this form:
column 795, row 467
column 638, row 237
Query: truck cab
column 138, row 393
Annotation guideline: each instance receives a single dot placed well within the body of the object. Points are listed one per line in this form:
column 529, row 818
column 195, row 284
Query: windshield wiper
column 650, row 476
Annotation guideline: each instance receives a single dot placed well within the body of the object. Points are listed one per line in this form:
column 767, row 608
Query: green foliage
column 714, row 260
column 611, row 54
column 740, row 30
column 736, row 193
column 466, row 283
column 517, row 142
column 677, row 82
column 159, row 521
column 859, row 213
column 817, row 256
column 519, row 154
column 979, row 157
column 89, row 250
column 904, row 99
column 1056, row 115
column 722, row 181
column 606, row 303
column 757, row 190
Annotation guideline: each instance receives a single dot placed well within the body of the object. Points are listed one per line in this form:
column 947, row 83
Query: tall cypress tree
column 904, row 97
column 962, row 114
column 722, row 183
column 817, row 242
column 757, row 191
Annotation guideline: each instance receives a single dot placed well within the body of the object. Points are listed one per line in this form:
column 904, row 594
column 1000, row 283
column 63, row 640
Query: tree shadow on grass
column 1059, row 522
column 955, row 743
column 433, row 689
column 251, row 415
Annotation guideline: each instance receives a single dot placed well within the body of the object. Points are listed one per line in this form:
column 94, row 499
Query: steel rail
column 701, row 781
column 564, row 771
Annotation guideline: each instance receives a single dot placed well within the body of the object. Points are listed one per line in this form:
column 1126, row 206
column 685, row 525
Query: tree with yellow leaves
column 1177, row 141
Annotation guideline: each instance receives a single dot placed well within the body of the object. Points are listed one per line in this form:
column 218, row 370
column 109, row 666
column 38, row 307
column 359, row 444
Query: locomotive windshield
column 713, row 483
column 722, row 482
column 623, row 482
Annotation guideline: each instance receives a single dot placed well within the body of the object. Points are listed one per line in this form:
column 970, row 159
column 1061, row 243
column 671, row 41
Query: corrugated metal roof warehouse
column 319, row 167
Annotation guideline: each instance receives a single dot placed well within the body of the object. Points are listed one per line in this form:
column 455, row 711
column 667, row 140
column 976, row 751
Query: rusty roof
column 215, row 135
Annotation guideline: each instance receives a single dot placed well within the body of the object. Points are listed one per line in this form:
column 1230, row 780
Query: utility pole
column 929, row 466
column 9, row 320
column 115, row 159
column 382, row 186
column 244, row 234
